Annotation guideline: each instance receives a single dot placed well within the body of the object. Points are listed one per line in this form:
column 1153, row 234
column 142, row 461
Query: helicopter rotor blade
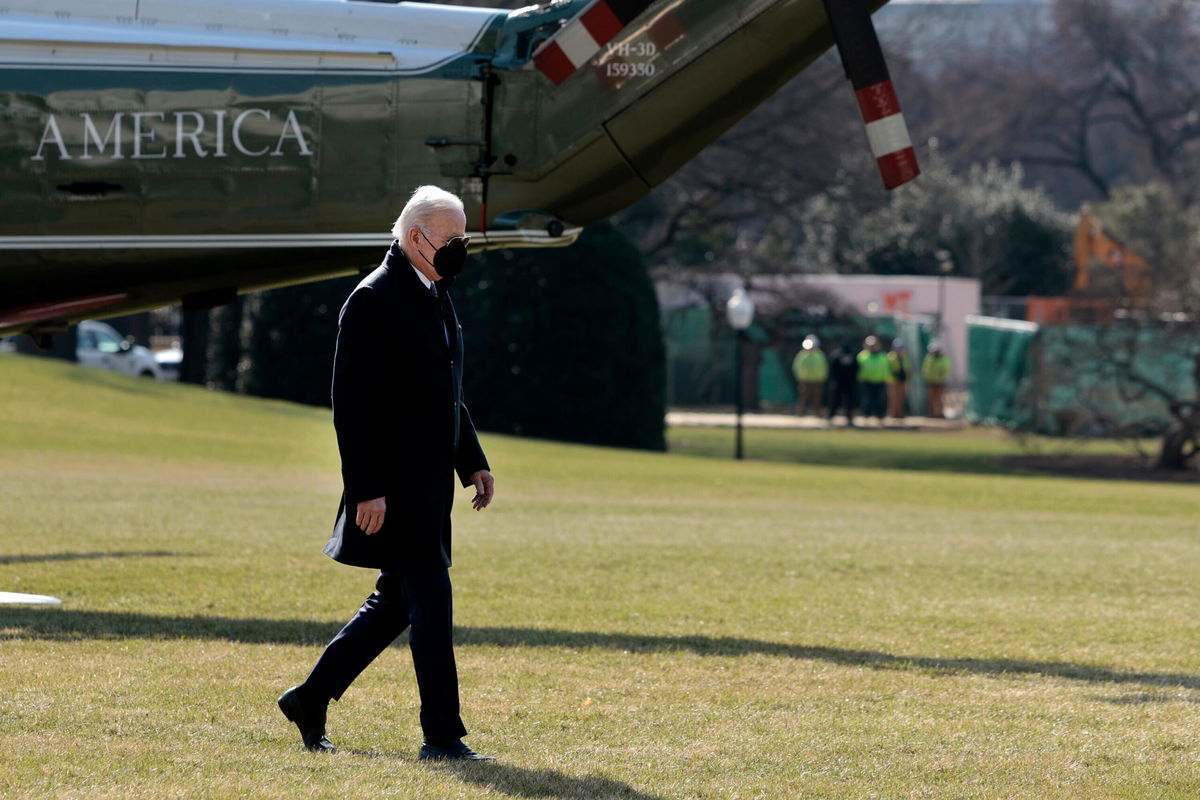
column 867, row 71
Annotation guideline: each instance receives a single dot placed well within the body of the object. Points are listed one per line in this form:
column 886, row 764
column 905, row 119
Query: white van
column 102, row 347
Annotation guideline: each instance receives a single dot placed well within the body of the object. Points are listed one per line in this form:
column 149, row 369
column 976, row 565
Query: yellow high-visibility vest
column 810, row 366
column 935, row 368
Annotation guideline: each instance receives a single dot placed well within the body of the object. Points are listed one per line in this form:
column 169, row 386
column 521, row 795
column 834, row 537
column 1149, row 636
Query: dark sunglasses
column 466, row 240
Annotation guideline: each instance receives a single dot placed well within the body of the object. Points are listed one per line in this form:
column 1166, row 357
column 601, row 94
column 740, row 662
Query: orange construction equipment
column 1065, row 310
column 1091, row 242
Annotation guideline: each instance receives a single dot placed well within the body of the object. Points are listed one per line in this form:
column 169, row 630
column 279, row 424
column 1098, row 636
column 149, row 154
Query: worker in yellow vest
column 935, row 369
column 811, row 369
column 873, row 374
column 901, row 368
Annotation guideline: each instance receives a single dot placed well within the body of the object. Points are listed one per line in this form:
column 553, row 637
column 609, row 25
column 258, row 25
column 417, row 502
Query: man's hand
column 370, row 515
column 485, row 489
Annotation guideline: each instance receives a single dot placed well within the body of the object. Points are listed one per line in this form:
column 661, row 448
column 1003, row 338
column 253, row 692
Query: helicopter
column 159, row 152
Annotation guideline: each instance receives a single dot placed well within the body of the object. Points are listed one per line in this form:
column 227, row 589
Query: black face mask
column 448, row 260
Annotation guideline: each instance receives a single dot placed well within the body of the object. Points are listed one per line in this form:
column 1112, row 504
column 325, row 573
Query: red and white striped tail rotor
column 888, row 134
column 863, row 60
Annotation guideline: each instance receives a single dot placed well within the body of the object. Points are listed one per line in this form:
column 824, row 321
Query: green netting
column 699, row 358
column 1113, row 379
column 1061, row 379
column 776, row 386
column 700, row 353
column 996, row 369
column 916, row 333
column 1110, row 380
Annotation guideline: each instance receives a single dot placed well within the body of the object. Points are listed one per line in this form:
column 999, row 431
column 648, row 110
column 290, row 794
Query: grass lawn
column 631, row 625
column 978, row 450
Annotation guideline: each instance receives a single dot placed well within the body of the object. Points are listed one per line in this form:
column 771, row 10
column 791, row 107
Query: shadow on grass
column 60, row 624
column 873, row 659
column 538, row 783
column 516, row 781
column 31, row 558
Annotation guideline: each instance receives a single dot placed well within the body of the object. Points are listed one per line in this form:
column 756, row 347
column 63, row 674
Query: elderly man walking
column 403, row 431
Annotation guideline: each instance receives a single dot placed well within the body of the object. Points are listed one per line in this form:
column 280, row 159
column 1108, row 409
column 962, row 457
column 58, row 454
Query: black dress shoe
column 453, row 752
column 309, row 718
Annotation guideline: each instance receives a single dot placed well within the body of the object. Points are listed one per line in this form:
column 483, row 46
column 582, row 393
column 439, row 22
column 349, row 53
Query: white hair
column 424, row 203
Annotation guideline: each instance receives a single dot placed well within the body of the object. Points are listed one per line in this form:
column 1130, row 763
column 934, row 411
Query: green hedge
column 565, row 343
column 561, row 343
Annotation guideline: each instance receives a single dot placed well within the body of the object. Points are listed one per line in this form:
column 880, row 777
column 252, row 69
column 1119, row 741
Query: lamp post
column 945, row 267
column 740, row 311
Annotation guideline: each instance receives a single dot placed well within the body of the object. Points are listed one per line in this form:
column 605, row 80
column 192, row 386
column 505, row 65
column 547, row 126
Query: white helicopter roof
column 239, row 34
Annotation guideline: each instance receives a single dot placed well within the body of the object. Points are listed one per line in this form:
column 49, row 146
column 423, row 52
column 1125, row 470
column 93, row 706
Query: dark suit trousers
column 842, row 398
column 422, row 600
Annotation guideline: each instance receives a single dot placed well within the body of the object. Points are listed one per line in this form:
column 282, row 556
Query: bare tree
column 1106, row 91
column 1154, row 355
column 751, row 181
column 1136, row 374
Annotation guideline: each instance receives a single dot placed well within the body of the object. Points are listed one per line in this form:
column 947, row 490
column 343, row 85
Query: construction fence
column 1100, row 380
column 700, row 354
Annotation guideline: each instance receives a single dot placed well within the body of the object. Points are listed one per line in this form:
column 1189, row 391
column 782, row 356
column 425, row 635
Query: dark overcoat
column 403, row 429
